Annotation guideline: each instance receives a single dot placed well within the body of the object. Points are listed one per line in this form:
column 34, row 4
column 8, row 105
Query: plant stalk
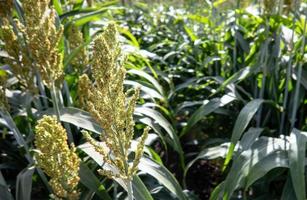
column 55, row 102
column 56, row 108
column 129, row 189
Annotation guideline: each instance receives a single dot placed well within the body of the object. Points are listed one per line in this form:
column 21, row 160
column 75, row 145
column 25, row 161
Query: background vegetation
column 223, row 88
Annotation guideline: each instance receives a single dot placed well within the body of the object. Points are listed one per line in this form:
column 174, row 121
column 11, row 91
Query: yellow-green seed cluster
column 43, row 39
column 18, row 59
column 111, row 107
column 33, row 46
column 58, row 161
column 75, row 38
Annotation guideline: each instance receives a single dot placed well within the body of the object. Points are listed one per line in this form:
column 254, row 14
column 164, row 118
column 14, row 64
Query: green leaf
column 245, row 116
column 249, row 137
column 93, row 16
column 218, row 3
column 147, row 90
column 3, row 73
column 164, row 123
column 74, row 53
column 190, row 33
column 208, row 154
column 297, row 162
column 76, row 117
column 57, row 6
column 161, row 173
column 77, row 12
column 127, row 33
column 155, row 156
column 139, row 189
column 24, row 184
column 206, row 109
column 89, row 180
column 88, row 10
column 263, row 155
column 198, row 18
column 236, row 77
column 148, row 77
column 274, row 160
column 216, row 193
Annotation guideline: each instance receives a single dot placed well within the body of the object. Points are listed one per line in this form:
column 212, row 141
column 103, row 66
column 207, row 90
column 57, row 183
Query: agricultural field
column 153, row 100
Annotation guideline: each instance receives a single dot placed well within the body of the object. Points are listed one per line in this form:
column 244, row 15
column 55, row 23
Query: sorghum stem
column 57, row 109
column 129, row 189
column 55, row 102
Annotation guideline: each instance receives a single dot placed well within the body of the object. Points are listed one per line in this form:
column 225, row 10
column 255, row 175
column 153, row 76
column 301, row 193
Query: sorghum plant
column 112, row 108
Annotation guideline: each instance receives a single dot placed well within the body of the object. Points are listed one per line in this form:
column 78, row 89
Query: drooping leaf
column 208, row 154
column 236, row 77
column 76, row 117
column 21, row 142
column 164, row 123
column 148, row 92
column 148, row 77
column 274, row 160
column 242, row 121
column 250, row 137
column 264, row 154
column 24, row 184
column 297, row 162
column 87, row 10
column 205, row 110
column 139, row 189
column 161, row 173
column 133, row 41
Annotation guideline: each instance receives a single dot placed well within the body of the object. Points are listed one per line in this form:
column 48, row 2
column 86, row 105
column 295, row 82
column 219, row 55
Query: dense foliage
column 222, row 88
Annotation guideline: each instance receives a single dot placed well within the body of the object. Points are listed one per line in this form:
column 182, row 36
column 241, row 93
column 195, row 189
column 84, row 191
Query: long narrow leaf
column 164, row 124
column 148, row 77
column 297, row 162
column 252, row 159
column 76, row 117
column 245, row 116
column 160, row 173
column 206, row 109
column 24, row 184
column 139, row 189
